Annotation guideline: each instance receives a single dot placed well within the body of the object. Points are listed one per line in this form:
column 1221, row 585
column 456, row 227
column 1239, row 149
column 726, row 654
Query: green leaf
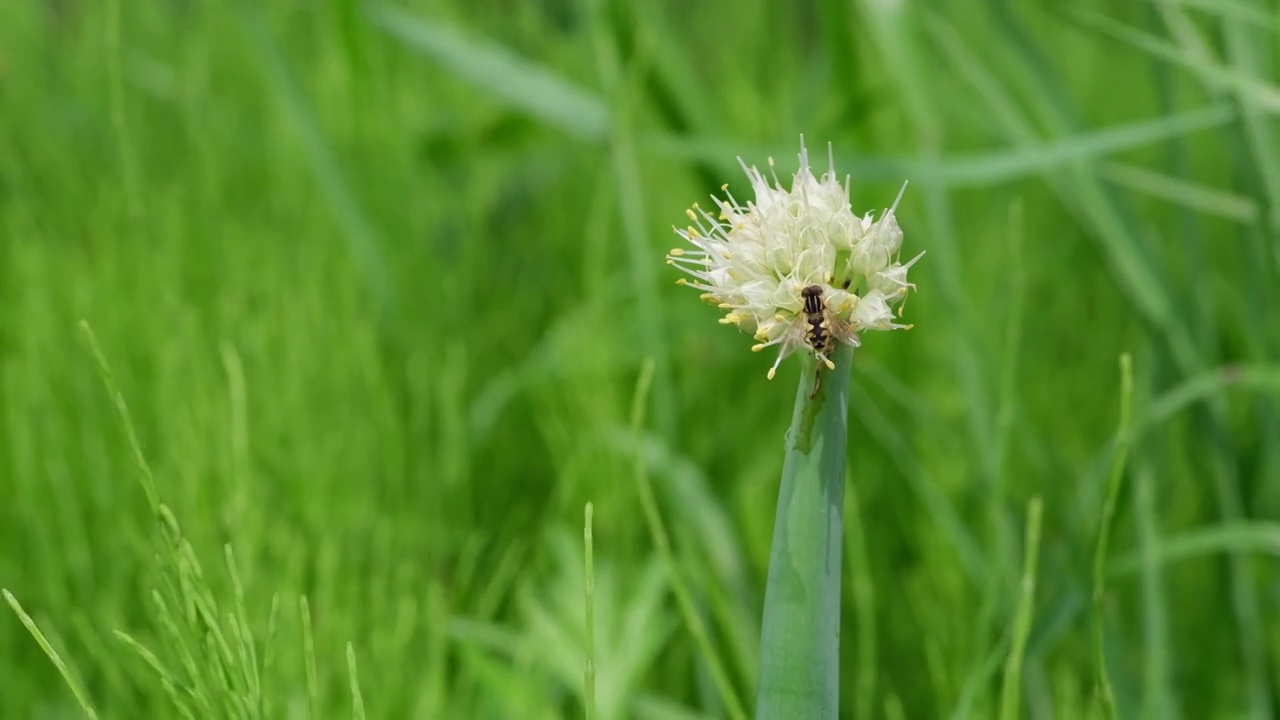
column 981, row 169
column 1264, row 94
column 1026, row 610
column 662, row 541
column 77, row 690
column 363, row 240
column 1240, row 536
column 1256, row 378
column 1181, row 191
column 517, row 81
column 357, row 697
column 1124, row 438
column 1228, row 10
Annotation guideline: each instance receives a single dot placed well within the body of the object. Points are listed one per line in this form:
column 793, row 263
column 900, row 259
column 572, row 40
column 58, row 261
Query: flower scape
column 796, row 268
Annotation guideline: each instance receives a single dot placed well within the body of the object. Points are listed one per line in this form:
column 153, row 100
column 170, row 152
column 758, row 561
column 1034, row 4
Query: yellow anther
column 677, row 252
column 830, row 365
column 724, row 306
column 771, row 373
column 707, row 297
column 724, row 187
column 757, row 348
column 682, row 281
column 692, row 215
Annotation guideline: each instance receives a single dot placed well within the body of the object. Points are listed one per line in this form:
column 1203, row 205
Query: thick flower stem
column 800, row 633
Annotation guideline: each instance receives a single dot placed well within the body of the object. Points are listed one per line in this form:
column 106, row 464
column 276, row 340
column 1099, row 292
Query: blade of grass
column 1216, row 75
column 1252, row 149
column 269, row 656
column 1102, row 684
column 1009, row 697
column 898, row 41
column 1034, row 156
column 589, row 674
column 1043, row 156
column 800, row 631
column 357, row 698
column 893, row 708
column 1137, row 273
column 1248, row 52
column 119, row 119
column 620, row 85
column 309, row 658
column 1252, row 160
column 1004, row 548
column 1077, row 183
column 1156, row 686
column 1252, row 52
column 1208, row 385
column 1002, row 530
column 248, row 656
column 684, row 598
column 145, row 476
column 677, row 85
column 1249, row 55
column 941, row 510
column 362, row 238
column 113, row 680
column 149, row 658
column 1189, row 195
column 979, row 678
column 862, row 586
column 1157, row 695
column 694, row 501
column 534, row 90
column 81, row 696
column 1241, row 536
column 1229, row 10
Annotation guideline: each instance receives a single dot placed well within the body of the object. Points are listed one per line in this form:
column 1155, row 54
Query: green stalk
column 1104, row 697
column 589, row 674
column 800, row 634
column 81, row 696
column 1009, row 696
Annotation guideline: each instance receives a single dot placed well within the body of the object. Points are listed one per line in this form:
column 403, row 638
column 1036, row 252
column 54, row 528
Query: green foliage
column 377, row 284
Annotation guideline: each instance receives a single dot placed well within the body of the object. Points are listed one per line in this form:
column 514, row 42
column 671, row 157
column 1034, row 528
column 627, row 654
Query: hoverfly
column 823, row 329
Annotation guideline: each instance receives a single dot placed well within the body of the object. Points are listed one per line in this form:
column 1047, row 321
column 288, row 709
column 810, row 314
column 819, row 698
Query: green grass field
column 376, row 285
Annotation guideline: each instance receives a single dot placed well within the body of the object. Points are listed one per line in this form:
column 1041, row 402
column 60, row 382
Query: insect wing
column 841, row 329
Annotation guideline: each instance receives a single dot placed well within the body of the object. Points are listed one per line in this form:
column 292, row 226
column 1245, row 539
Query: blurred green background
column 377, row 283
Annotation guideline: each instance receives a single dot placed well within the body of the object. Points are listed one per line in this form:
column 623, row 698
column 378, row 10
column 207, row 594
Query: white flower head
column 796, row 267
